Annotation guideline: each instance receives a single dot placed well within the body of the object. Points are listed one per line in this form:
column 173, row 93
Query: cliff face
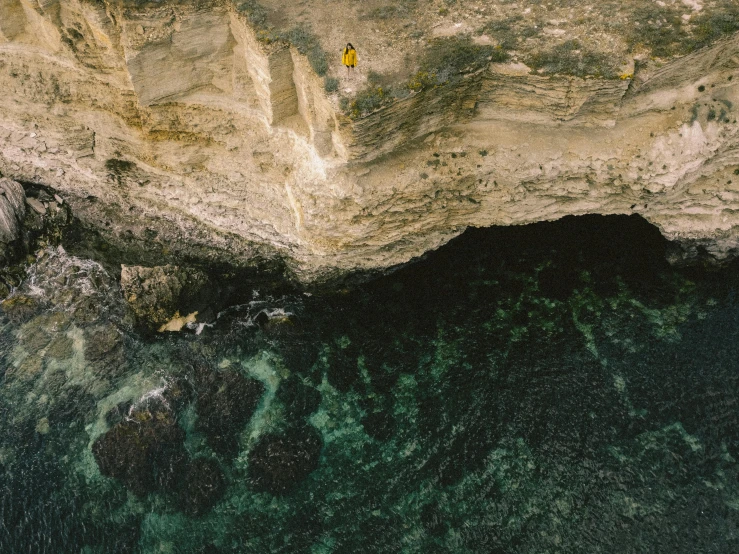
column 171, row 126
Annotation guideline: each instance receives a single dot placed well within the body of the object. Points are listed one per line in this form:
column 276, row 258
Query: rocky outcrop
column 158, row 295
column 12, row 210
column 171, row 124
column 31, row 219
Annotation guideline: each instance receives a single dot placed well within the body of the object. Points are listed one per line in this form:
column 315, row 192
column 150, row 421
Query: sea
column 550, row 388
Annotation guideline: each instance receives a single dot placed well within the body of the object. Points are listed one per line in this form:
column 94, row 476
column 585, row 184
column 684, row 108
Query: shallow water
column 550, row 388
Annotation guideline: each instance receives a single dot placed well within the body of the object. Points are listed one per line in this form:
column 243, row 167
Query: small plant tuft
column 330, row 84
column 254, row 11
column 118, row 166
column 374, row 78
column 367, row 101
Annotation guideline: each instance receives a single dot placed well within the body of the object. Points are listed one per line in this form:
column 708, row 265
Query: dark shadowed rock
column 378, row 425
column 278, row 463
column 342, row 369
column 558, row 283
column 202, row 486
column 160, row 294
column 225, row 402
column 382, row 376
column 144, row 452
column 20, row 308
column 300, row 400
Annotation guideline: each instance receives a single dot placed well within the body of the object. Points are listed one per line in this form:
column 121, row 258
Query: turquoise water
column 549, row 388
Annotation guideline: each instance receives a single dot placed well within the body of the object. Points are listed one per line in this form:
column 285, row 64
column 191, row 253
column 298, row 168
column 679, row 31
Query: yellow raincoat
column 349, row 57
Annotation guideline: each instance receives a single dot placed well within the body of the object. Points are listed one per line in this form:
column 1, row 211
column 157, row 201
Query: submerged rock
column 72, row 404
column 60, row 348
column 12, row 211
column 278, row 463
column 202, row 486
column 157, row 295
column 299, row 400
column 342, row 370
column 20, row 308
column 145, row 451
column 379, row 425
column 226, row 401
column 104, row 349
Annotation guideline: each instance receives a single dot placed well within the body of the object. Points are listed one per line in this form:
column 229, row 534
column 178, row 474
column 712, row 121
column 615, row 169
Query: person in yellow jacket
column 349, row 58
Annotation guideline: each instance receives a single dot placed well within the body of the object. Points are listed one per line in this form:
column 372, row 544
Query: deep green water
column 550, row 388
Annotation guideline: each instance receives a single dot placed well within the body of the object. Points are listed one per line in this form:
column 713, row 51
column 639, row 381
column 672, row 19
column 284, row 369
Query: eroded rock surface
column 12, row 210
column 157, row 295
column 172, row 125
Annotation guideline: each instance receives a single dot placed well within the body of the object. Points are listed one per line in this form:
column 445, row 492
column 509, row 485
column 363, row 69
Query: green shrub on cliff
column 711, row 26
column 331, row 84
column 447, row 59
column 660, row 29
column 301, row 36
column 508, row 32
column 397, row 10
column 254, row 11
column 307, row 43
column 663, row 30
column 366, row 101
column 572, row 58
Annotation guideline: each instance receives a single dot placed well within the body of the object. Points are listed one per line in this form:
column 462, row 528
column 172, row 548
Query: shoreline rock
column 12, row 211
column 157, row 295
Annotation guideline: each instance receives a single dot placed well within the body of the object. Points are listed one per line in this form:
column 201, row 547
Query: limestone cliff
column 173, row 126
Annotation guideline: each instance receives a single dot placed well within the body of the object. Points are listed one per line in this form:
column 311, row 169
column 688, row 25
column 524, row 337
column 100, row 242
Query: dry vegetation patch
column 408, row 45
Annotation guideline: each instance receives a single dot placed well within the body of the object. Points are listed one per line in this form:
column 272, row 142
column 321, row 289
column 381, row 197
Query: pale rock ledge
column 172, row 124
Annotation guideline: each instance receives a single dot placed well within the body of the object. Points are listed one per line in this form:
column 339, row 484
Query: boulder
column 158, row 295
column 12, row 210
column 145, row 451
column 279, row 462
column 20, row 308
column 226, row 401
column 202, row 486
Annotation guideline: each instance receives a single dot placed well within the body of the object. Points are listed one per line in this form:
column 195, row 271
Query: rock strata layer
column 170, row 123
